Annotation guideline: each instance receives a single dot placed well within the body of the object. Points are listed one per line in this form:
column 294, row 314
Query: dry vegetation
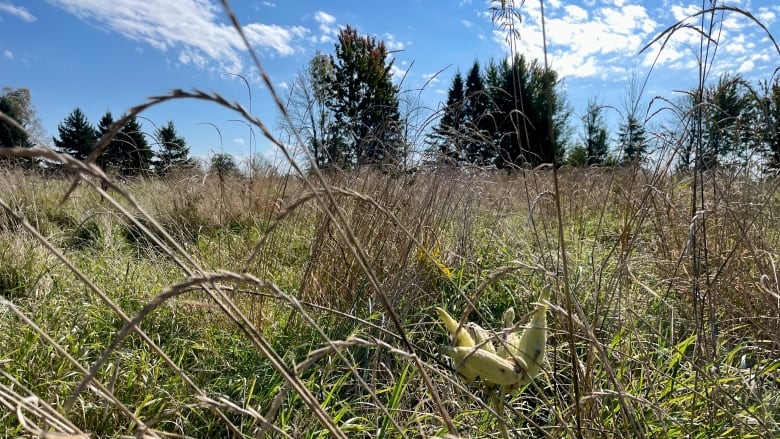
column 199, row 306
column 264, row 302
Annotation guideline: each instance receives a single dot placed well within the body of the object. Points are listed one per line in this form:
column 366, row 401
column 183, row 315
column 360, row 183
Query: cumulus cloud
column 194, row 28
column 7, row 54
column 586, row 40
column 239, row 141
column 327, row 26
column 391, row 43
column 17, row 11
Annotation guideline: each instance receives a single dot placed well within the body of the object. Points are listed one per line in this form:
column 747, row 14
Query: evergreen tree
column 448, row 138
column 632, row 139
column 367, row 125
column 76, row 135
column 770, row 126
column 475, row 112
column 578, row 156
column 595, row 141
column 129, row 152
column 522, row 111
column 728, row 110
column 173, row 150
column 111, row 155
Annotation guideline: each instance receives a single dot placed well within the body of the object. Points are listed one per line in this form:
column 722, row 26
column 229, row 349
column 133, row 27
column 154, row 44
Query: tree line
column 344, row 108
column 514, row 113
column 128, row 153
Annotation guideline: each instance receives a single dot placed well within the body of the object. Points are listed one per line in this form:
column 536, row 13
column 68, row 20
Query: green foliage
column 367, row 126
column 17, row 104
column 769, row 115
column 173, row 151
column 478, row 149
column 596, row 138
column 728, row 109
column 524, row 132
column 578, row 156
column 632, row 139
column 223, row 164
column 501, row 117
column 14, row 103
column 128, row 153
column 76, row 135
column 447, row 138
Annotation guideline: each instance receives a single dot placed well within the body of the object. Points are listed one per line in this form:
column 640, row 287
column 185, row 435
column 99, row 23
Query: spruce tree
column 76, row 135
column 110, row 158
column 136, row 149
column 367, row 125
column 595, row 141
column 173, row 150
column 448, row 138
column 632, row 139
column 522, row 112
column 475, row 109
column 128, row 152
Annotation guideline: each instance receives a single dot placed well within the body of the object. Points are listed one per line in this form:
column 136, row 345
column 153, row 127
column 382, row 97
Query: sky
column 103, row 55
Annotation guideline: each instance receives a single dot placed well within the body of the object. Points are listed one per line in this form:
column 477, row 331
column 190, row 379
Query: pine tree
column 522, row 111
column 475, row 112
column 770, row 127
column 173, row 150
column 367, row 125
column 137, row 151
column 595, row 141
column 632, row 139
column 129, row 152
column 110, row 158
column 76, row 135
column 448, row 138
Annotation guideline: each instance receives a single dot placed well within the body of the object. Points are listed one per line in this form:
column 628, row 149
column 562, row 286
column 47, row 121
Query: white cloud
column 194, row 28
column 18, row 11
column 583, row 43
column 239, row 141
column 431, row 78
column 7, row 54
column 746, row 67
column 269, row 4
column 327, row 25
column 398, row 73
column 283, row 85
column 467, row 23
column 391, row 43
column 324, row 18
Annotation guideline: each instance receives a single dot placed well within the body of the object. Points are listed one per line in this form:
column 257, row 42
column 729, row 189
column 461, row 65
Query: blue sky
column 109, row 55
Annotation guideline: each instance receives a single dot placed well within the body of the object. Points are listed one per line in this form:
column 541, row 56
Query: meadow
column 200, row 306
column 302, row 305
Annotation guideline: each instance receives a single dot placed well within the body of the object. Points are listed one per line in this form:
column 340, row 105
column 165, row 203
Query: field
column 199, row 306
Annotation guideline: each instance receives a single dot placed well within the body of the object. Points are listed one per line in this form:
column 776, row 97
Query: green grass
column 650, row 361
